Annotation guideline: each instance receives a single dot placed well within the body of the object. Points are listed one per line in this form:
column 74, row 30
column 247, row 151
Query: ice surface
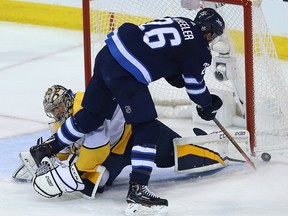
column 32, row 59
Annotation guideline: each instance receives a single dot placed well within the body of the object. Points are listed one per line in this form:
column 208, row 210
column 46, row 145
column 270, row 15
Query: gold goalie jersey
column 95, row 147
column 112, row 132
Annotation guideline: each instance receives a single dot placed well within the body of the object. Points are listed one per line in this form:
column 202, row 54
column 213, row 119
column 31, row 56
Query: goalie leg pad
column 208, row 152
column 44, row 182
column 50, row 181
column 46, row 186
column 203, row 155
column 69, row 178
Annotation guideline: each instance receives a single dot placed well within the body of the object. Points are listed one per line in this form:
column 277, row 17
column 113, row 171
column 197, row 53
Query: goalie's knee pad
column 50, row 181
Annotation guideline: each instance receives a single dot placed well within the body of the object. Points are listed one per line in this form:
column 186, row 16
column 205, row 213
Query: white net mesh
column 270, row 96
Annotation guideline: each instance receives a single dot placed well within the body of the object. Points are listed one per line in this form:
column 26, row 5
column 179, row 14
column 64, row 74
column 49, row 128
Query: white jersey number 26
column 161, row 35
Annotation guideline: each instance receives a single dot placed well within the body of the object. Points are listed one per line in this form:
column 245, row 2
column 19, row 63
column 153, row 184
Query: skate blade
column 134, row 209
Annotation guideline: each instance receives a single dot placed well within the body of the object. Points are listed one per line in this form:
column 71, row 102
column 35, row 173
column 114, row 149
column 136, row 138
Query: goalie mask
column 58, row 103
column 210, row 22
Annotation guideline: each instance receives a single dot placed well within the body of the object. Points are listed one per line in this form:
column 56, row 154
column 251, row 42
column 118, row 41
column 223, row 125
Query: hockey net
column 258, row 88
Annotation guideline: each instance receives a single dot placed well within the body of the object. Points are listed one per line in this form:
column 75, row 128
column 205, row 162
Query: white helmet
column 58, row 97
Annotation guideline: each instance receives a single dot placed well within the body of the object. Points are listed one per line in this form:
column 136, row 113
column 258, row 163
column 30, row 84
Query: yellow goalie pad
column 208, row 152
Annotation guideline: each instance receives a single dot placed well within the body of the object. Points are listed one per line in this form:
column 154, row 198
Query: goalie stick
column 199, row 132
column 234, row 143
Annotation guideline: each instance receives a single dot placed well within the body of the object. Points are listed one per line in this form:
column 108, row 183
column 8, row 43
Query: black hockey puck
column 265, row 156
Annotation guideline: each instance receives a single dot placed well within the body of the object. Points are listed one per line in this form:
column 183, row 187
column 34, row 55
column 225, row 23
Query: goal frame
column 248, row 50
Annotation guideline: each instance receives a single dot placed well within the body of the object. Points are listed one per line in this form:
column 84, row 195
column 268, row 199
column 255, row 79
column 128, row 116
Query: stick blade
column 199, row 132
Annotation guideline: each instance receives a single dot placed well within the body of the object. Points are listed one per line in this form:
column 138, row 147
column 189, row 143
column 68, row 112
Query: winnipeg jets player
column 175, row 48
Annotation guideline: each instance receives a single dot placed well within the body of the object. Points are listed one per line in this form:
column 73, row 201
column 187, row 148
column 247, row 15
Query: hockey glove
column 176, row 81
column 42, row 150
column 209, row 112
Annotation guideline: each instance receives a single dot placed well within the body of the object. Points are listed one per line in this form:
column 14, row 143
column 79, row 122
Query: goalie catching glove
column 209, row 111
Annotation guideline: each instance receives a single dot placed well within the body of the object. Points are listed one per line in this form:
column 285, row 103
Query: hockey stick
column 199, row 132
column 234, row 143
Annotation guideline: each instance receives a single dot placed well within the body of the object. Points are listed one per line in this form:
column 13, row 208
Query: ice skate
column 141, row 201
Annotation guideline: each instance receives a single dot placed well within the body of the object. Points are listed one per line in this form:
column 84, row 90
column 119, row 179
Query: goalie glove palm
column 208, row 112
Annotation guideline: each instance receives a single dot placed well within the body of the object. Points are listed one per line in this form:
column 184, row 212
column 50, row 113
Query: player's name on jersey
column 185, row 28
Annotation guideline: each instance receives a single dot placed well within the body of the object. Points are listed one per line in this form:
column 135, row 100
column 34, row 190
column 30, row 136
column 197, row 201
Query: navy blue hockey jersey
column 164, row 48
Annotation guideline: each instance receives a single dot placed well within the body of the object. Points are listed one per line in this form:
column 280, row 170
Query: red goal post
column 248, row 41
column 248, row 65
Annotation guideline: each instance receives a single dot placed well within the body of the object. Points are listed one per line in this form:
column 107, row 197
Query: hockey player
column 109, row 146
column 90, row 151
column 113, row 136
column 175, row 48
column 91, row 169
